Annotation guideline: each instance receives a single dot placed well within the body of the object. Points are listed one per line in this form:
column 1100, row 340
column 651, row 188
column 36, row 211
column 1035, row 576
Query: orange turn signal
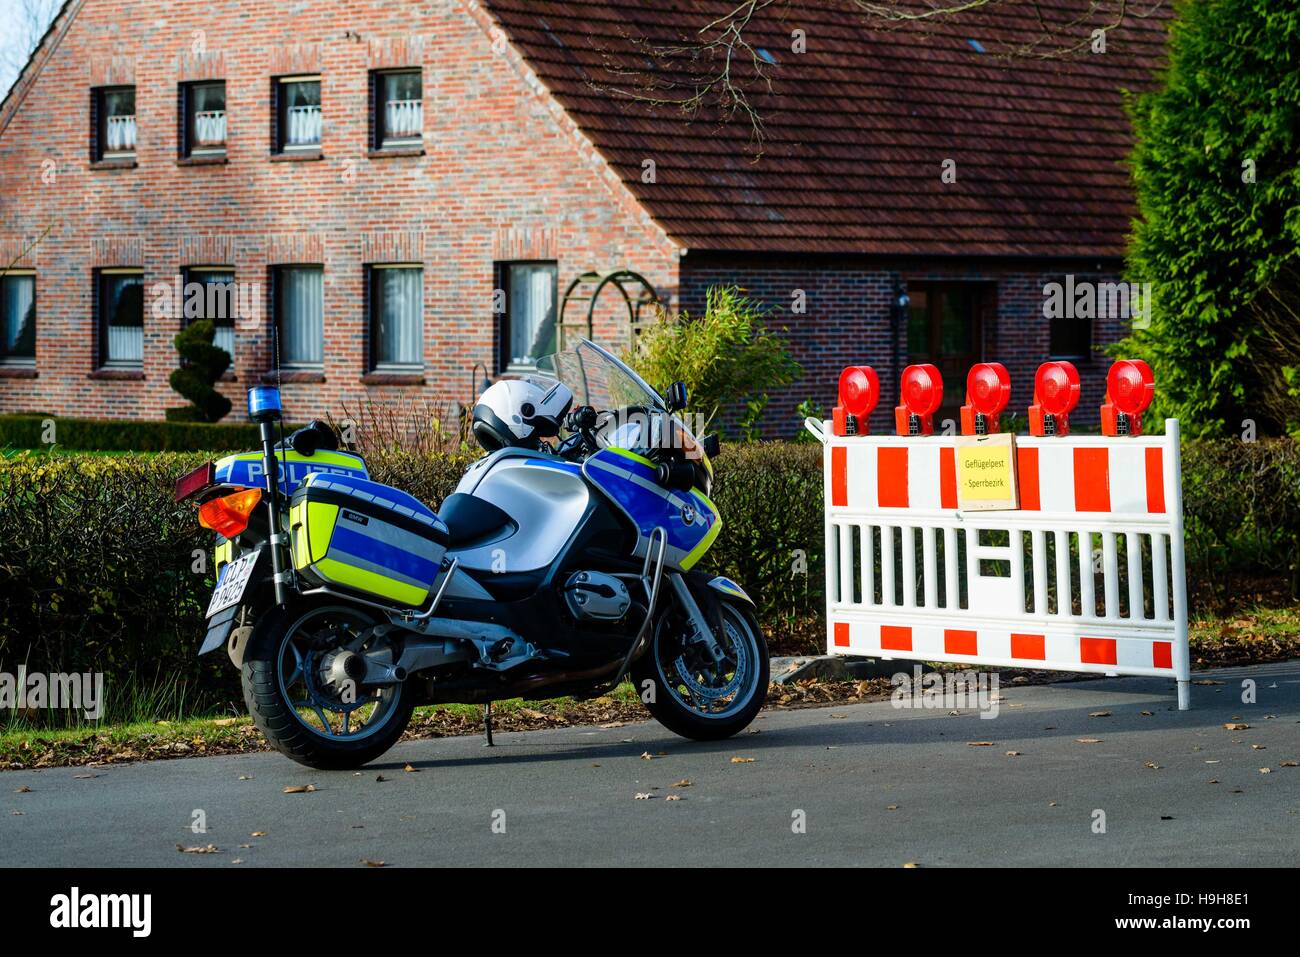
column 229, row 514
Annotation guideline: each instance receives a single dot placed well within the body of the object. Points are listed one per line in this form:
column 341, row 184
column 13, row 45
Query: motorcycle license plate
column 233, row 580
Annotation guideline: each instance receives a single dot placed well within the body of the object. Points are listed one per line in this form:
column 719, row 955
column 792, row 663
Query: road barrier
column 1047, row 551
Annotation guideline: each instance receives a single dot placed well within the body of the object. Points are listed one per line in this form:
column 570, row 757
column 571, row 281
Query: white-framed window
column 205, row 118
column 527, row 329
column 18, row 317
column 398, row 118
column 397, row 317
column 300, row 315
column 298, row 120
column 115, row 122
column 121, row 318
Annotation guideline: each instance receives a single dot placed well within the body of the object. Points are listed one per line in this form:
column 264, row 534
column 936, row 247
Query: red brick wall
column 505, row 175
column 847, row 321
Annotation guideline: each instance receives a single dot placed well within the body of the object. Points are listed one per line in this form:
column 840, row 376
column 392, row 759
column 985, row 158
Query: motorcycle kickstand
column 487, row 724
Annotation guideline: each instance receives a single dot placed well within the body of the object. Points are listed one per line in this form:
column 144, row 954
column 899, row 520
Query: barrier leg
column 1184, row 694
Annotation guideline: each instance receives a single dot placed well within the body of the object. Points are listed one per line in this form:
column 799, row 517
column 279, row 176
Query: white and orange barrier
column 1082, row 570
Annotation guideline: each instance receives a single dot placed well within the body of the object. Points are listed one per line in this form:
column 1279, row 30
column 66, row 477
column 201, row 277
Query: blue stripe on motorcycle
column 405, row 563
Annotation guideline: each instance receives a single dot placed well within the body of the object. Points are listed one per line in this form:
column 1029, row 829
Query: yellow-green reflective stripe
column 321, row 519
column 632, row 455
column 367, row 581
column 696, row 553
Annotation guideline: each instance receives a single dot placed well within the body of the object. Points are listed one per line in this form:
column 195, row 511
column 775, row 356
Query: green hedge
column 113, row 435
column 97, row 567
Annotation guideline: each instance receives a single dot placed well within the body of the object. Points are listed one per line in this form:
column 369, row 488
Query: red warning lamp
column 921, row 393
column 988, row 390
column 1056, row 393
column 858, row 395
column 1130, row 387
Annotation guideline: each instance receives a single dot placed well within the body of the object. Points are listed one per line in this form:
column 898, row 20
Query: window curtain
column 119, row 110
column 532, row 313
column 303, row 125
column 19, row 311
column 302, row 327
column 125, row 311
column 209, row 115
column 401, row 316
column 403, row 107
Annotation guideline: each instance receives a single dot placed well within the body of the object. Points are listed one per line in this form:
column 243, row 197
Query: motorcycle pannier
column 370, row 539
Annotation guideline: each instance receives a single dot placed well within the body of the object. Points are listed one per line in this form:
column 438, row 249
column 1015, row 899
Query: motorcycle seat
column 470, row 519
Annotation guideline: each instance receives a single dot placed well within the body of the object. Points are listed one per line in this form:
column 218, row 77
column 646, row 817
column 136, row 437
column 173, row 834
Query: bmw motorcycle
column 564, row 562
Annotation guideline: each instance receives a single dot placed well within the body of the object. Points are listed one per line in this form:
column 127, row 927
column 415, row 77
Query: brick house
column 397, row 196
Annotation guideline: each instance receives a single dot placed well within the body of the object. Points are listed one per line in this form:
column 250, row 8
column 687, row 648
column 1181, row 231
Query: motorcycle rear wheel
column 297, row 711
column 697, row 699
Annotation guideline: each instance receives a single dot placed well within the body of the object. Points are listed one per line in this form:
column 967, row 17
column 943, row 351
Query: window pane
column 302, row 113
column 399, row 297
column 119, row 120
column 212, row 295
column 302, row 318
column 18, row 312
column 123, row 312
column 208, row 108
column 532, row 312
column 403, row 107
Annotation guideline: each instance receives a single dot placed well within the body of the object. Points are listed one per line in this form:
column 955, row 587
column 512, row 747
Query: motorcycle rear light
column 229, row 514
column 195, row 482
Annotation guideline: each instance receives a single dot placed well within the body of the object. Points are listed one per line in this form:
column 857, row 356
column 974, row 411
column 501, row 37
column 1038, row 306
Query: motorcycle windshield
column 598, row 379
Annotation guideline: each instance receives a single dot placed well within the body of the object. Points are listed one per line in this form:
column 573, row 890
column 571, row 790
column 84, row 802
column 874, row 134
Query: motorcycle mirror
column 676, row 397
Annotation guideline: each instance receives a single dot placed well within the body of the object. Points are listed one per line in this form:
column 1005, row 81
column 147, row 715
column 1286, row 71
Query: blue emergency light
column 264, row 403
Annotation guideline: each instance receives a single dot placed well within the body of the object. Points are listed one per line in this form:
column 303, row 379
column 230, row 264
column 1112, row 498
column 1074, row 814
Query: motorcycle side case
column 363, row 537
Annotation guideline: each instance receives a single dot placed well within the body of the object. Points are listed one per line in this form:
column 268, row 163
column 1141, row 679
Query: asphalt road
column 876, row 785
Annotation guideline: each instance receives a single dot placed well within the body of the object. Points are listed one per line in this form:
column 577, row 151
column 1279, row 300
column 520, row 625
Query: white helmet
column 519, row 413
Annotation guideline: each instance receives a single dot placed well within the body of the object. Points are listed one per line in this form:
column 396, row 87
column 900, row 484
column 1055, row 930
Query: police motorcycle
column 565, row 561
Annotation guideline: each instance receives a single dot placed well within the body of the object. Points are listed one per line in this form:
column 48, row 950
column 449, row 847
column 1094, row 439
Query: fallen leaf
column 1152, row 765
column 1088, row 740
column 380, row 778
column 742, row 760
column 1289, row 764
column 1265, row 770
column 1051, row 804
column 245, row 777
column 1146, row 714
column 643, row 796
column 1257, row 747
column 683, row 783
column 23, row 790
column 979, row 744
column 1166, row 817
column 1235, row 726
column 1013, row 754
column 672, row 797
column 1099, row 714
column 612, row 725
column 410, row 770
column 1214, row 780
column 299, row 789
column 258, row 834
column 204, row 849
column 238, row 860
column 911, row 865
column 647, row 756
column 370, row 863
column 84, row 777
column 1207, row 681
column 225, row 722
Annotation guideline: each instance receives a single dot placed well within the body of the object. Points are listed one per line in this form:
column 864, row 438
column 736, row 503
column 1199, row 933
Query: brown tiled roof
column 857, row 127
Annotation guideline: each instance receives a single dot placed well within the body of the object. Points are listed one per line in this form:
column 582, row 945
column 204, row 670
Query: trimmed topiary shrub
column 202, row 366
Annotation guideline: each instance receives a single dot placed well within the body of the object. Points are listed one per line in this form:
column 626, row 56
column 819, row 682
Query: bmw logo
column 688, row 514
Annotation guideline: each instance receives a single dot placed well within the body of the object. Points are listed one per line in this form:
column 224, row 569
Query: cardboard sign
column 986, row 472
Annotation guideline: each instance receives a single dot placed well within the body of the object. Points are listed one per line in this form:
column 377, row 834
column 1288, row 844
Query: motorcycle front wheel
column 300, row 680
column 695, row 697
